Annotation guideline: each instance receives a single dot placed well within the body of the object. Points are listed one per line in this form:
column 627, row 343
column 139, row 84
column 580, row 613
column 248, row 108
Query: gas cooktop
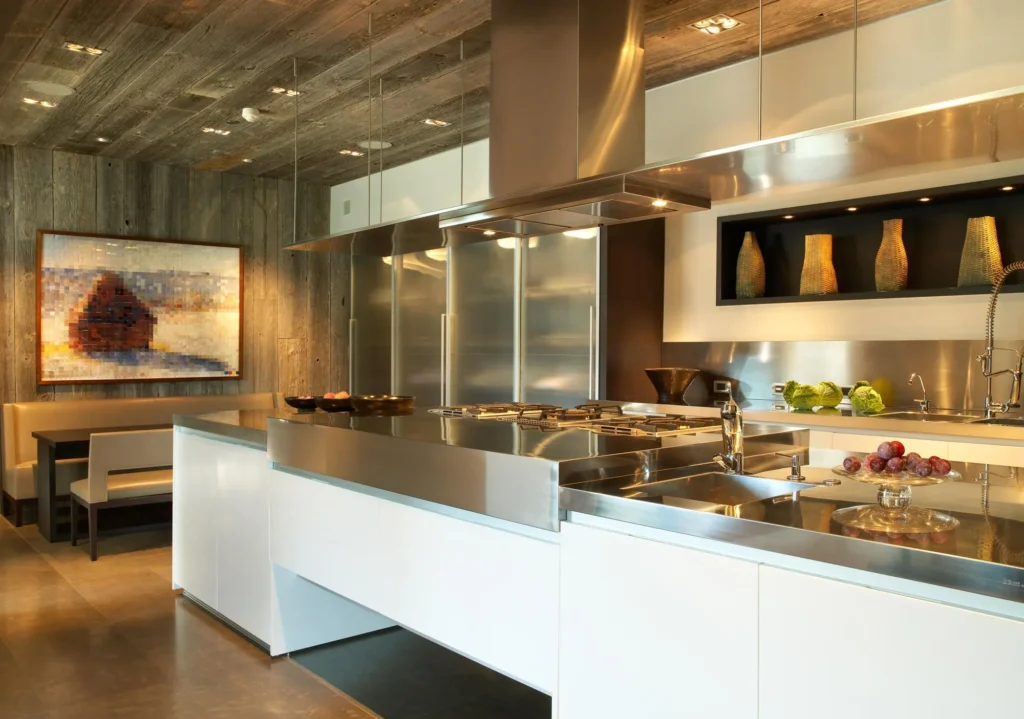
column 600, row 417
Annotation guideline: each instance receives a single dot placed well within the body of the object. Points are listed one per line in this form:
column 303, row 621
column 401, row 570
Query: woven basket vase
column 818, row 276
column 891, row 260
column 981, row 261
column 750, row 269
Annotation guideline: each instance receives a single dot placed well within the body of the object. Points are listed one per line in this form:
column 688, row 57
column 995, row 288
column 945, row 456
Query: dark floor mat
column 400, row 675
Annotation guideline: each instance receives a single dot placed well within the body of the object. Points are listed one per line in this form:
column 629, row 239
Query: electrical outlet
column 778, row 387
column 346, row 208
column 721, row 386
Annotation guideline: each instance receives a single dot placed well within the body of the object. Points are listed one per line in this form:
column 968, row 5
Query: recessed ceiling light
column 1008, row 188
column 375, row 144
column 351, row 153
column 41, row 103
column 247, row 160
column 436, row 123
column 85, row 49
column 716, row 24
column 851, row 209
column 926, row 199
column 49, row 88
column 660, row 203
column 104, row 140
column 490, row 233
column 215, row 131
column 284, row 91
column 788, row 217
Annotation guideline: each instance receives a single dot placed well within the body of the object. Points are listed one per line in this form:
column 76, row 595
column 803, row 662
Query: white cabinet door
column 837, row 650
column 243, row 552
column 654, row 630
column 194, row 544
column 487, row 593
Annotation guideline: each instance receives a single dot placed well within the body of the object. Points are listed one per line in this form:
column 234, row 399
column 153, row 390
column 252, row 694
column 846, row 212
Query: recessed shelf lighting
column 851, row 209
column 215, row 131
column 84, row 49
column 351, row 153
column 284, row 91
column 436, row 123
column 660, row 203
column 926, row 199
column 1008, row 188
column 716, row 24
column 41, row 103
column 587, row 234
column 788, row 217
column 490, row 233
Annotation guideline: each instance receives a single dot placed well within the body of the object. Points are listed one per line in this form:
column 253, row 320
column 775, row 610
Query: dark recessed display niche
column 933, row 234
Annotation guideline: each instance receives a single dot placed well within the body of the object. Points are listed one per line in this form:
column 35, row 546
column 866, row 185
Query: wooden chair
column 125, row 468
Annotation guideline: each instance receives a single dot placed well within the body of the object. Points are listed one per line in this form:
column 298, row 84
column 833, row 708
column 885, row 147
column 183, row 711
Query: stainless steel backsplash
column 951, row 372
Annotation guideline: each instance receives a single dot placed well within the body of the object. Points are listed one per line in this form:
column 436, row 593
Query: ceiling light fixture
column 41, row 103
column 660, row 203
column 215, row 131
column 926, row 199
column 375, row 144
column 284, row 91
column 507, row 243
column 247, row 161
column 788, row 217
column 84, row 49
column 1008, row 188
column 490, row 233
column 851, row 209
column 436, row 123
column 716, row 24
column 587, row 234
column 351, row 153
column 104, row 140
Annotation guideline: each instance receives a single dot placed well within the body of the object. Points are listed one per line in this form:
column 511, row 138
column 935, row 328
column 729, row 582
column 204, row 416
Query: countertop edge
column 247, row 436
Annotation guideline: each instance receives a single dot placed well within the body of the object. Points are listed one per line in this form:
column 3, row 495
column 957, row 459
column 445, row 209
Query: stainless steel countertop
column 984, row 555
column 247, row 427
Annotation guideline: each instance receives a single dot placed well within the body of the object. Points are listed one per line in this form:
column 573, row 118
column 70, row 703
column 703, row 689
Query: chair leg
column 74, row 521
column 93, row 514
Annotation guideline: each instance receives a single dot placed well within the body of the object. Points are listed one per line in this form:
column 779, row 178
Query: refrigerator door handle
column 590, row 359
column 444, row 359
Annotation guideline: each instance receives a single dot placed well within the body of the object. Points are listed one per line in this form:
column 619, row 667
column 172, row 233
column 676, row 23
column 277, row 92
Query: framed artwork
column 119, row 309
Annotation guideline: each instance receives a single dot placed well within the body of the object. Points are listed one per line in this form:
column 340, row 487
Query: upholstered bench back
column 21, row 419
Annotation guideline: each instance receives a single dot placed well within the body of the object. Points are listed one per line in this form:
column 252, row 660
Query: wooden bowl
column 303, row 404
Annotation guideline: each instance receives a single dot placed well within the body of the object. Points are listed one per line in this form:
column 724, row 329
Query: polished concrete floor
column 110, row 639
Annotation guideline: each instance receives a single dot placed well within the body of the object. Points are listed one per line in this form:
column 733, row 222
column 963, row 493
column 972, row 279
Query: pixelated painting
column 124, row 310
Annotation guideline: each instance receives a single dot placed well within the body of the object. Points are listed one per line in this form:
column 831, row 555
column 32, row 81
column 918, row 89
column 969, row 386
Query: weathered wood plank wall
column 294, row 301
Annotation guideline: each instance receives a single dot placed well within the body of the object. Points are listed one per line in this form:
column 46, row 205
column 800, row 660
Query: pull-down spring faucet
column 731, row 458
column 986, row 359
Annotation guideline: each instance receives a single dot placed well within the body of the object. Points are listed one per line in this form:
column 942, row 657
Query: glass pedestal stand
column 893, row 513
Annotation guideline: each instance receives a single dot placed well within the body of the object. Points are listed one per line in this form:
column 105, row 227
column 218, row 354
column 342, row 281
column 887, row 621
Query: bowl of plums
column 335, row 402
column 895, row 471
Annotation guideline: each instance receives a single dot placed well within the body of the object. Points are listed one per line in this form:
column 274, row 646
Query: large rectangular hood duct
column 567, row 119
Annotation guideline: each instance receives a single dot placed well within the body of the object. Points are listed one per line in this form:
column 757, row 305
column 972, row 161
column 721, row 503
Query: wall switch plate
column 777, row 387
column 721, row 386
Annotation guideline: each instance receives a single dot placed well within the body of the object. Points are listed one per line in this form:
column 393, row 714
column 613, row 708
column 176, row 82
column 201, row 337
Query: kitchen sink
column 930, row 417
column 721, row 489
column 1003, row 421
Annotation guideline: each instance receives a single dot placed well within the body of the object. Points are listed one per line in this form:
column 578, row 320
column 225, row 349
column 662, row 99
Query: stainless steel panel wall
column 482, row 323
column 951, row 373
column 370, row 326
column 420, row 301
column 560, row 319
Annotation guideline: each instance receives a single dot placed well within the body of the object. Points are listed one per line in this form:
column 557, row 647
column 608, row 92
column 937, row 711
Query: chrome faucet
column 923, row 403
column 731, row 458
column 1013, row 402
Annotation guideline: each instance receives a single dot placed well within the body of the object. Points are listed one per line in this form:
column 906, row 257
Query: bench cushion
column 128, row 485
column 22, row 484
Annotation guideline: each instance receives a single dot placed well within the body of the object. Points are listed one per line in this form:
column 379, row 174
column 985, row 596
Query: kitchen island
column 539, row 554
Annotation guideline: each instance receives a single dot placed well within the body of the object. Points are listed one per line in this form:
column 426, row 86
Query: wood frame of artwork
column 41, row 234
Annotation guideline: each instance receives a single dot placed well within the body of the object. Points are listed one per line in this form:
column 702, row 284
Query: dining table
column 54, row 445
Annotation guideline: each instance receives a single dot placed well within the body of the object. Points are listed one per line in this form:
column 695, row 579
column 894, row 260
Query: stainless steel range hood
column 567, row 117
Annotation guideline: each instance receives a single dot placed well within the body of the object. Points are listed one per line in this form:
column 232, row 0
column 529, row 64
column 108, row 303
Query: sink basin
column 1003, row 421
column 722, row 490
column 929, row 417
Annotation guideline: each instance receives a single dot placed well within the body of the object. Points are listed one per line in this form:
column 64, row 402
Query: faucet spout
column 731, row 458
column 986, row 359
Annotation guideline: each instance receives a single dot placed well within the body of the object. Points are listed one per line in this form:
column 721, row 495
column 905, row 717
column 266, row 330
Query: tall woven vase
column 981, row 260
column 891, row 260
column 818, row 276
column 750, row 269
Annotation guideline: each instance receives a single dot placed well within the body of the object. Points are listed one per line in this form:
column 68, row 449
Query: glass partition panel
column 420, row 294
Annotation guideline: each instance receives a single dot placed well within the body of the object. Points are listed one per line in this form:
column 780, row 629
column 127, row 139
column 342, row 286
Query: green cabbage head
column 866, row 400
column 829, row 410
column 830, row 393
column 801, row 396
column 857, row 385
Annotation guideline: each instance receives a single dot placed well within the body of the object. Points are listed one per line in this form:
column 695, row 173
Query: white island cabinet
column 654, row 630
column 838, row 650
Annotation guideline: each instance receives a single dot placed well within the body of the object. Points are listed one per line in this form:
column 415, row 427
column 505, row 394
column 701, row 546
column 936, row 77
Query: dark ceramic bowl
column 334, row 405
column 303, row 404
column 382, row 403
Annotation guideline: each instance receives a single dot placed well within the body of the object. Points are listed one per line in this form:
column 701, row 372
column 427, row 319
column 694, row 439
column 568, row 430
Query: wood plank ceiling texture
column 173, row 67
